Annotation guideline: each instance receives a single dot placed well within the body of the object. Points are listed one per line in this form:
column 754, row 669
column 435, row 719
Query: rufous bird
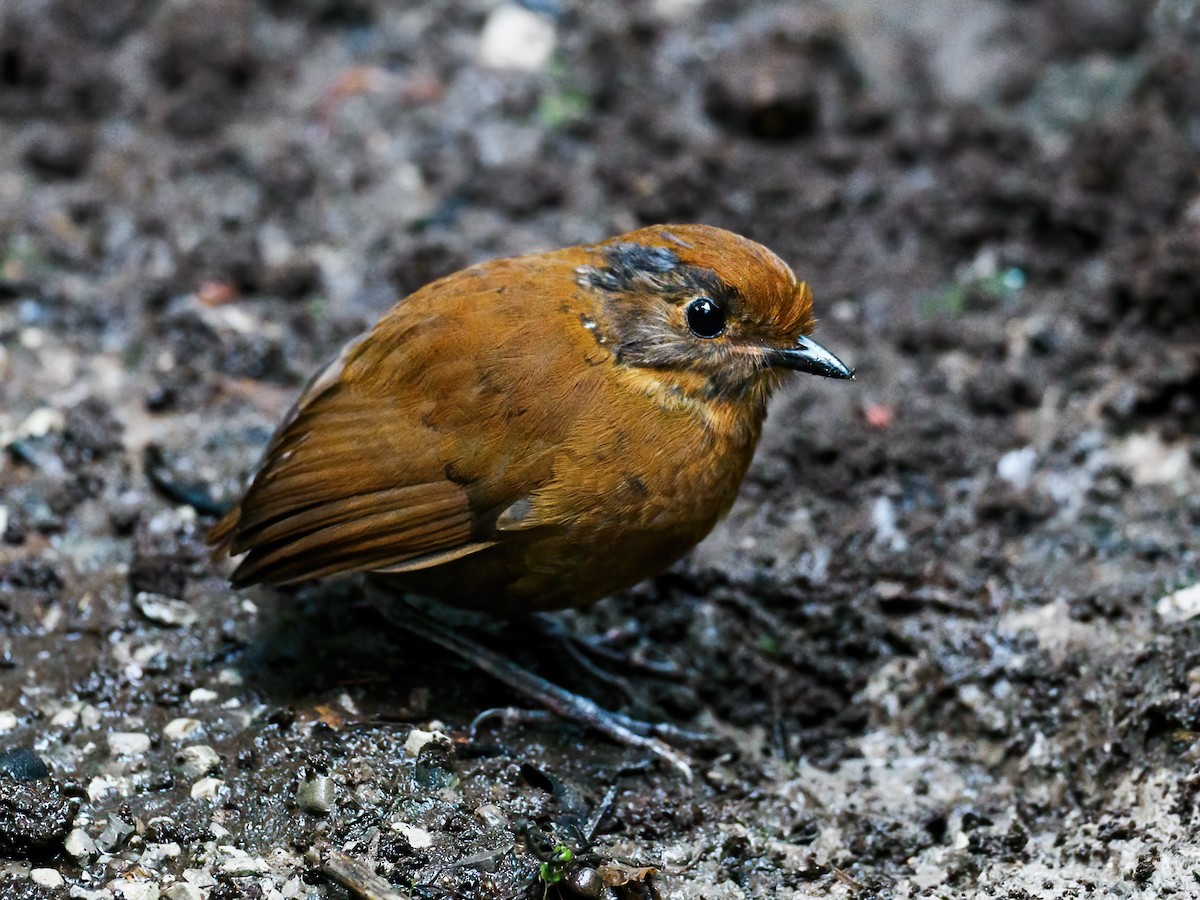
column 537, row 432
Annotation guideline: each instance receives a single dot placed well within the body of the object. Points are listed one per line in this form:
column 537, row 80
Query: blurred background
column 949, row 628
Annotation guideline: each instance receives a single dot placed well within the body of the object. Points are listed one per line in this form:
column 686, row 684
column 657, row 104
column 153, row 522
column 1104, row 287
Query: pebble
column 1182, row 605
column 1017, row 467
column 241, row 864
column 101, row 785
column 517, row 39
column 180, row 729
column 197, row 761
column 418, row 838
column 181, row 890
column 8, row 720
column 491, row 815
column 128, row 743
column 89, row 717
column 47, row 878
column 154, row 855
column 206, row 788
column 164, row 610
column 115, row 833
column 134, row 890
column 417, row 739
column 80, row 846
column 201, row 878
column 202, row 695
column 67, row 717
column 315, row 794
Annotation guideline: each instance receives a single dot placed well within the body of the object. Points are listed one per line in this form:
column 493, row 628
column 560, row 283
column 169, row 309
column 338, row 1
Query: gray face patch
column 630, row 266
column 635, row 268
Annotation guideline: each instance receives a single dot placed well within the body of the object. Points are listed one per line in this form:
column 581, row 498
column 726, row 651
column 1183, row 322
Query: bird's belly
column 555, row 569
column 618, row 535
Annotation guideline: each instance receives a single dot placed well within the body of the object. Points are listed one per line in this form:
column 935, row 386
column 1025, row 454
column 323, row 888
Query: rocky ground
column 950, row 635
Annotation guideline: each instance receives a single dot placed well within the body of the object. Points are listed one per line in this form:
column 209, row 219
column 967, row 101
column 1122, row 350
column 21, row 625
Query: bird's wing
column 403, row 457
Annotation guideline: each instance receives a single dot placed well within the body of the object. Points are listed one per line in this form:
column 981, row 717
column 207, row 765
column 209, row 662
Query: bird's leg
column 581, row 648
column 562, row 703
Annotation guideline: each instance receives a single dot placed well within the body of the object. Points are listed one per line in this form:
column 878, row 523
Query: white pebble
column 417, row 739
column 207, row 788
column 41, row 422
column 101, row 785
column 202, row 695
column 128, row 743
column 418, row 838
column 1180, row 606
column 491, row 815
column 517, row 39
column 47, row 878
column 164, row 610
column 242, row 864
column 68, row 717
column 197, row 761
column 80, row 846
column 181, row 890
column 132, row 889
column 1016, row 467
column 180, row 729
column 316, row 794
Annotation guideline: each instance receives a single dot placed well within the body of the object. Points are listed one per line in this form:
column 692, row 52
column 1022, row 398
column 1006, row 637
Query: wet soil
column 950, row 635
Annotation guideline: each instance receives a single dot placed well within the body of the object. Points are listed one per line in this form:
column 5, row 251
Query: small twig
column 357, row 876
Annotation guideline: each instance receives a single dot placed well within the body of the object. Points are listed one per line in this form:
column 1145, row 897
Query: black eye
column 706, row 318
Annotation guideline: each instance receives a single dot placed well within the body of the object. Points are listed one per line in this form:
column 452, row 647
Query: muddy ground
column 946, row 635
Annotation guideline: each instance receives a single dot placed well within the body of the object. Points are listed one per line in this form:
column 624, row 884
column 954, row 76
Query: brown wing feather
column 400, row 454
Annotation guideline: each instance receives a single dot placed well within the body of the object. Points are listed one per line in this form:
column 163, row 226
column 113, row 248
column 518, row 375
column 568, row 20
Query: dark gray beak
column 809, row 356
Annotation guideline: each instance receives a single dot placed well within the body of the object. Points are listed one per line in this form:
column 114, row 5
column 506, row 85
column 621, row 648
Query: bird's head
column 726, row 314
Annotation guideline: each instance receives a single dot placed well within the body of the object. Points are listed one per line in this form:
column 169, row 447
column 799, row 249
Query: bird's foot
column 558, row 702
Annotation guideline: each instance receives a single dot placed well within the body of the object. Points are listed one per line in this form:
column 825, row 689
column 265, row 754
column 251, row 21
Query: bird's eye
column 705, row 318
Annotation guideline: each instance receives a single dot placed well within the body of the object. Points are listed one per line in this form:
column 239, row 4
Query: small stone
column 516, row 38
column 154, row 855
column 206, row 788
column 131, row 889
column 164, row 610
column 41, row 422
column 1017, row 466
column 202, row 695
column 115, row 833
column 8, row 720
column 198, row 761
column 1182, row 605
column 201, row 878
column 90, row 717
column 80, row 847
column 181, row 890
column 67, row 718
column 418, row 838
column 417, row 739
column 316, row 794
column 128, row 743
column 101, row 785
column 240, row 865
column 181, row 729
column 491, row 815
column 47, row 878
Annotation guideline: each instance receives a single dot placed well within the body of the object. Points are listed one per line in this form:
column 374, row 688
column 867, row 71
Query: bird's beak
column 809, row 356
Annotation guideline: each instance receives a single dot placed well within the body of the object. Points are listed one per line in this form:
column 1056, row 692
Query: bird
column 536, row 432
